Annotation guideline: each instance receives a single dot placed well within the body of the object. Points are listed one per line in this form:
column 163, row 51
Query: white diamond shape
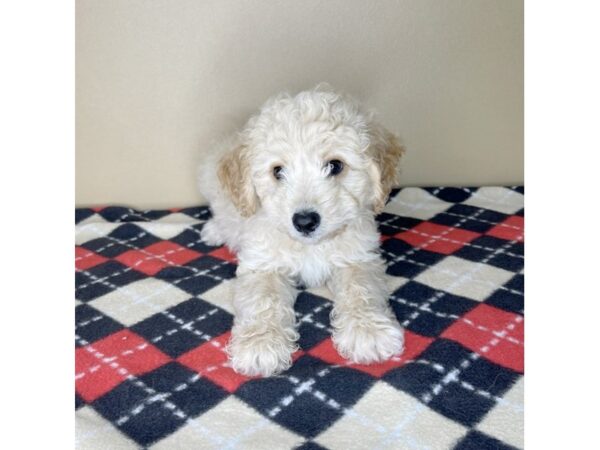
column 93, row 432
column 93, row 230
column 163, row 231
column 230, row 424
column 139, row 300
column 389, row 419
column 169, row 226
column 465, row 278
column 417, row 203
column 221, row 295
column 496, row 198
column 505, row 421
column 179, row 218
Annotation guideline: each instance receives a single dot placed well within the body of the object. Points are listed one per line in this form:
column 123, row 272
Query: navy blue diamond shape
column 497, row 252
column 199, row 275
column 390, row 224
column 312, row 325
column 184, row 326
column 451, row 194
column 510, row 257
column 92, row 325
column 133, row 235
column 411, row 261
column 306, row 414
column 469, row 218
column 214, row 266
column 155, row 420
column 123, row 214
column 102, row 279
column 511, row 298
column 106, row 247
column 122, row 239
column 453, row 400
column 434, row 316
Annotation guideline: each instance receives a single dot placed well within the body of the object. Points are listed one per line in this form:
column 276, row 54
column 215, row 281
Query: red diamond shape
column 225, row 254
column 210, row 361
column 101, row 366
column 511, row 229
column 84, row 258
column 495, row 334
column 437, row 238
column 414, row 345
column 156, row 257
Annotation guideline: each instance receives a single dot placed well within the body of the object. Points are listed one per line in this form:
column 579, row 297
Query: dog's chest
column 312, row 268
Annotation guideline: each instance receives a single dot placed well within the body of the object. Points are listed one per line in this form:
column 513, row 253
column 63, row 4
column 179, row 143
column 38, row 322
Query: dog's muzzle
column 306, row 221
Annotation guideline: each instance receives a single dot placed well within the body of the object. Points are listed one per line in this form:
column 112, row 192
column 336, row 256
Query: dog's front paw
column 210, row 234
column 263, row 353
column 369, row 341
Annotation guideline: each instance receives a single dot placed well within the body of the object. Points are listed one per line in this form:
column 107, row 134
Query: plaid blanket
column 153, row 314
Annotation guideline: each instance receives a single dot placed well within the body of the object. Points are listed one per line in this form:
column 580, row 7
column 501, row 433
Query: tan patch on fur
column 234, row 175
column 385, row 151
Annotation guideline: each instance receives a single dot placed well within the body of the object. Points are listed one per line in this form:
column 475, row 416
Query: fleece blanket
column 153, row 315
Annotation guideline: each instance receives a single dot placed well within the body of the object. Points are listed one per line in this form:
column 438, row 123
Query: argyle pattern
column 153, row 316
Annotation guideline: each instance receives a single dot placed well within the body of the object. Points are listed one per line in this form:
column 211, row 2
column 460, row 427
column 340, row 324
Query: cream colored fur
column 252, row 214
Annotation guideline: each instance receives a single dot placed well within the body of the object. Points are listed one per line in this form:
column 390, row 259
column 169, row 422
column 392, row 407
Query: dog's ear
column 234, row 174
column 385, row 151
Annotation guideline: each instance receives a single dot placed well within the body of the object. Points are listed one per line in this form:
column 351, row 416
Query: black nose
column 306, row 221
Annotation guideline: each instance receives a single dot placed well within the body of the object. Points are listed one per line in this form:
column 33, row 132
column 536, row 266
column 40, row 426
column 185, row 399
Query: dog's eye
column 278, row 172
column 335, row 167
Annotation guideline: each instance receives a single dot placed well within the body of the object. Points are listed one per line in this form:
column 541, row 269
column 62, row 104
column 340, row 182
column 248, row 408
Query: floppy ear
column 385, row 151
column 234, row 174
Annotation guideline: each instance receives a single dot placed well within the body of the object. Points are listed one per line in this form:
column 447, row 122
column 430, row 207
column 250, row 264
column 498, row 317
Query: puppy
column 295, row 194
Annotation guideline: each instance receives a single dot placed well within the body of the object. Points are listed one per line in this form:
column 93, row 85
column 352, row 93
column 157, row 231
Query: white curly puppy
column 295, row 193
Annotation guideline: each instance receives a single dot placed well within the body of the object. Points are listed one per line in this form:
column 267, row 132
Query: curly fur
column 252, row 214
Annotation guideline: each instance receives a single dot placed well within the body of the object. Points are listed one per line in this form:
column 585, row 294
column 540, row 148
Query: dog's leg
column 264, row 336
column 366, row 329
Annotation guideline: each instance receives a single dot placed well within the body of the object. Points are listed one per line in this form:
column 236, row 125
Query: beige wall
column 157, row 80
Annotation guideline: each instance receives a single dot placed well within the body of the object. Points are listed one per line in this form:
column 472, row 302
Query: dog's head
column 313, row 163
